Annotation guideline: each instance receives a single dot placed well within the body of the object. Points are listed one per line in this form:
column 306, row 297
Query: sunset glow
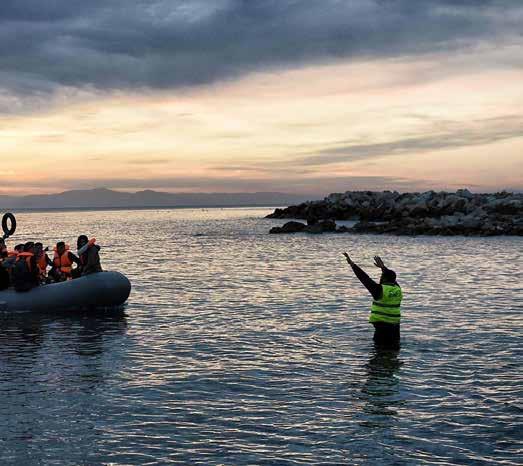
column 434, row 120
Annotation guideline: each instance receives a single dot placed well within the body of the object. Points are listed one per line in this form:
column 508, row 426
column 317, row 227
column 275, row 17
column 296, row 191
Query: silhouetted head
column 39, row 247
column 60, row 247
column 388, row 277
column 82, row 241
column 29, row 246
column 19, row 248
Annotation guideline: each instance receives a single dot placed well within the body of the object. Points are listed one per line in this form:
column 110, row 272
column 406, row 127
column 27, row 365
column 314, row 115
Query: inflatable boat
column 103, row 290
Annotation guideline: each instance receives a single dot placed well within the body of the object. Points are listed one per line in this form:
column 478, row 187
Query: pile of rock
column 312, row 226
column 434, row 213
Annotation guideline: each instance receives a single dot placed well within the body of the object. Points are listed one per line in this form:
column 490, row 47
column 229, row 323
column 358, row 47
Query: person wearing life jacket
column 62, row 264
column 88, row 252
column 25, row 272
column 8, row 264
column 10, row 260
column 42, row 261
column 385, row 313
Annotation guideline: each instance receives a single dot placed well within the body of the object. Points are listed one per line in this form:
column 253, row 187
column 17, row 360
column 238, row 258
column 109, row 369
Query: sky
column 297, row 96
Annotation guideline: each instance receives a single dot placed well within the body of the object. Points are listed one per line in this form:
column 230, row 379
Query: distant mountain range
column 106, row 198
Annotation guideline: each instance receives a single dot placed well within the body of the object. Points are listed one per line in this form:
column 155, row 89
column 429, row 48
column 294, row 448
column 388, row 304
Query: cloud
column 449, row 135
column 149, row 161
column 47, row 46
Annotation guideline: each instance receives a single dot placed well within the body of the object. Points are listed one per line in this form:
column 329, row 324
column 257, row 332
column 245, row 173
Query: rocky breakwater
column 428, row 213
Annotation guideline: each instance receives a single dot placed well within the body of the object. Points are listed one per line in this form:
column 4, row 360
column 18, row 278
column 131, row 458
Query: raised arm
column 378, row 262
column 74, row 258
column 374, row 288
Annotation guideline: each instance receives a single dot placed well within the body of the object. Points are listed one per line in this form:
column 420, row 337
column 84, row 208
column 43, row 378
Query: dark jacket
column 25, row 274
column 375, row 289
column 90, row 261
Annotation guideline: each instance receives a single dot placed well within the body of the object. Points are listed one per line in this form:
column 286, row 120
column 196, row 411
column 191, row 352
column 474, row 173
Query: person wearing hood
column 25, row 273
column 8, row 263
column 10, row 260
column 88, row 253
column 385, row 311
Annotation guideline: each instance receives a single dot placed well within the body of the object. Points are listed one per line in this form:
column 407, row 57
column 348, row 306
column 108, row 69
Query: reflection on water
column 29, row 327
column 238, row 347
column 50, row 370
column 83, row 334
column 381, row 388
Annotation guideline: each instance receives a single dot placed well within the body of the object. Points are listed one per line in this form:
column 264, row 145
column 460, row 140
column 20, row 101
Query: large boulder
column 472, row 222
column 289, row 227
column 315, row 227
column 328, row 226
column 506, row 206
column 324, row 226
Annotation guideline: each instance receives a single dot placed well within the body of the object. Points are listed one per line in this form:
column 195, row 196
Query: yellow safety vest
column 387, row 309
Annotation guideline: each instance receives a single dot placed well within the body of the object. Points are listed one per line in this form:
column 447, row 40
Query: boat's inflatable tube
column 99, row 290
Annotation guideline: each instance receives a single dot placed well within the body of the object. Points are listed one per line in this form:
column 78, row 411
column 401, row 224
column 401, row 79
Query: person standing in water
column 385, row 311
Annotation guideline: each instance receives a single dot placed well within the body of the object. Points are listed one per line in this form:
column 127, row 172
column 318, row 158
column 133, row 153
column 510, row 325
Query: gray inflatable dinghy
column 97, row 291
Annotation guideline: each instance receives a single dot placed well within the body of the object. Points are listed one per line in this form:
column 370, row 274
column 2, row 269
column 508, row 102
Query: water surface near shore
column 239, row 347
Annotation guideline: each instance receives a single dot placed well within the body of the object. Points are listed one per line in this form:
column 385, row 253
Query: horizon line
column 473, row 189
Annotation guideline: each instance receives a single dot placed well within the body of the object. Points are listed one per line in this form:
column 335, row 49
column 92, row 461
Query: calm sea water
column 242, row 348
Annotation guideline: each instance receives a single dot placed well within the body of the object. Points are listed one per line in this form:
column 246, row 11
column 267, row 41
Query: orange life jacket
column 42, row 264
column 63, row 262
column 27, row 256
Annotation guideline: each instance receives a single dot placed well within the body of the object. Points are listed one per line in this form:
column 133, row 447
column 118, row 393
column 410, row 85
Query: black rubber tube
column 6, row 219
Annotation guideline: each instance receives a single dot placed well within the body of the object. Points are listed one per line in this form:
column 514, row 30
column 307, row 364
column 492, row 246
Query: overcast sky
column 303, row 96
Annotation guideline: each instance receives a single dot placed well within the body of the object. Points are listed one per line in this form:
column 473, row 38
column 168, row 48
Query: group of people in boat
column 29, row 265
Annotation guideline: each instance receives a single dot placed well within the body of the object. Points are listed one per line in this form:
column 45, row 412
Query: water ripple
column 242, row 348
